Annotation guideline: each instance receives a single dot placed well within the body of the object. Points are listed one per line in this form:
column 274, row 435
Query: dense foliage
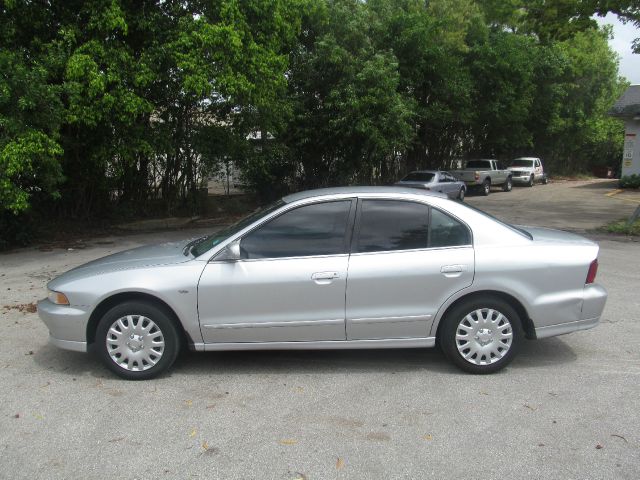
column 630, row 181
column 123, row 104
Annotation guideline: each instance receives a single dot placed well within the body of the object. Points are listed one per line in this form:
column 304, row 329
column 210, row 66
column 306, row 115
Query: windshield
column 479, row 164
column 418, row 177
column 519, row 162
column 202, row 245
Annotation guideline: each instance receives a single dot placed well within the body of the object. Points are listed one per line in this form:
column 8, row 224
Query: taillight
column 476, row 175
column 593, row 269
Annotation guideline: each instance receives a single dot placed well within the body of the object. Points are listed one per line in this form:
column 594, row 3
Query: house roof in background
column 628, row 105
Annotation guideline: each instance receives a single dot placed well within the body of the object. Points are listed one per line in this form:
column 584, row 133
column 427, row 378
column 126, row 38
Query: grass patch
column 621, row 227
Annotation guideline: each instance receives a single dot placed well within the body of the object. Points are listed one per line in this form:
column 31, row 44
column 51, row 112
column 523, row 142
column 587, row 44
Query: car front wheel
column 481, row 335
column 530, row 182
column 137, row 340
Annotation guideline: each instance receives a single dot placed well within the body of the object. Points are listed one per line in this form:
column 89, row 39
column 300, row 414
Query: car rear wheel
column 486, row 187
column 481, row 335
column 461, row 194
column 508, row 185
column 137, row 340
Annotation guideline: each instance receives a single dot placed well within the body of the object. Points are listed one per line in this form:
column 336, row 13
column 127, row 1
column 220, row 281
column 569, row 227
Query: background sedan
column 436, row 181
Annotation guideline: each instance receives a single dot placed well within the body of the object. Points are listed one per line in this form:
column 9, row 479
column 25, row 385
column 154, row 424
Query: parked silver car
column 365, row 267
column 436, row 181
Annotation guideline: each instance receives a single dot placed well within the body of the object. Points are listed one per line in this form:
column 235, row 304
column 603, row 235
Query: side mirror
column 230, row 253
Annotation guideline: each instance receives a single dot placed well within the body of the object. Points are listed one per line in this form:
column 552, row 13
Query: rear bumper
column 67, row 325
column 594, row 300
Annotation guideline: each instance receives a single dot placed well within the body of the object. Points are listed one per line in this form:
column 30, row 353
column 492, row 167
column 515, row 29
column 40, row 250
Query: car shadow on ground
column 533, row 354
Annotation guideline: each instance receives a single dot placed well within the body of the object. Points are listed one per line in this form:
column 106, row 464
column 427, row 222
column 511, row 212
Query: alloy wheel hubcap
column 484, row 336
column 135, row 343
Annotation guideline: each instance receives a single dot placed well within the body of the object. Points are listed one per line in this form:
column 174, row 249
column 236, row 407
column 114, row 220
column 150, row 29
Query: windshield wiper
column 189, row 246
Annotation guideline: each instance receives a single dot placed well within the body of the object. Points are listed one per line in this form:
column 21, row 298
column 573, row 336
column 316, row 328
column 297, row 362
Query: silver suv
column 527, row 171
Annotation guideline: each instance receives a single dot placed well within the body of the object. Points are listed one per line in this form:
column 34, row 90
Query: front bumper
column 594, row 300
column 67, row 325
column 521, row 179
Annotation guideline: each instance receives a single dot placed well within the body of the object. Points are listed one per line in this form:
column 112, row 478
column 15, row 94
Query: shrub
column 630, row 181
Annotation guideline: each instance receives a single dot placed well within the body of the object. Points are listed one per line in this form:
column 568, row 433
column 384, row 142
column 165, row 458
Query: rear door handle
column 324, row 277
column 453, row 270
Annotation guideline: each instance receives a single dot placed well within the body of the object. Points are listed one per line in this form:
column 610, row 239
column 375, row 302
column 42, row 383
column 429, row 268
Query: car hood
column 523, row 169
column 549, row 235
column 146, row 256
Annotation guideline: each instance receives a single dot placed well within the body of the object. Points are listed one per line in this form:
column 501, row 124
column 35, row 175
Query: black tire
column 530, row 182
column 453, row 321
column 166, row 327
column 508, row 185
column 461, row 194
column 545, row 180
column 486, row 187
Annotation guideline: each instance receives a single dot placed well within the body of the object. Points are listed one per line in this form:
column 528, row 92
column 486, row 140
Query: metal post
column 634, row 217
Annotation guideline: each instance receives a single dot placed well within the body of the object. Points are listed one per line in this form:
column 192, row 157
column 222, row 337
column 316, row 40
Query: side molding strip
column 305, row 323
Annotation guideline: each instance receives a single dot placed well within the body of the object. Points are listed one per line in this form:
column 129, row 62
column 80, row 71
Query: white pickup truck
column 483, row 174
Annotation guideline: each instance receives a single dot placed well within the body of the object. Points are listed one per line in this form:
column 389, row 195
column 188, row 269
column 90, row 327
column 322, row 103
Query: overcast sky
column 623, row 35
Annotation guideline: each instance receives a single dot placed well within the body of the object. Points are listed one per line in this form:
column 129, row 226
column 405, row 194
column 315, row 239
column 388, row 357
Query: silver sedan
column 435, row 181
column 363, row 267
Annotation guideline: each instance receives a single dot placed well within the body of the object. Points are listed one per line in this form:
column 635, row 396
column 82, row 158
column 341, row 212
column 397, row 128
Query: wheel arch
column 527, row 323
column 106, row 304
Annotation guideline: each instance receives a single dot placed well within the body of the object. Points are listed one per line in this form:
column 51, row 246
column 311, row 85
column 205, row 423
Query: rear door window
column 388, row 225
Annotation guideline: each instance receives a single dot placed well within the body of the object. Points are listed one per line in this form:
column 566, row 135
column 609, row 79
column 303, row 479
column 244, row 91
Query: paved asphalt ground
column 567, row 407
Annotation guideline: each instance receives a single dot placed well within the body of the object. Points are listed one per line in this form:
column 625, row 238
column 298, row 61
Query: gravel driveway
column 567, row 407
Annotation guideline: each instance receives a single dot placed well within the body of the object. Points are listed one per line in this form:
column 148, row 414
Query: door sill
column 425, row 342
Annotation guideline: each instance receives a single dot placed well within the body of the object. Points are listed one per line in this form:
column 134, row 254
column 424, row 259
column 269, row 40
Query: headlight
column 57, row 298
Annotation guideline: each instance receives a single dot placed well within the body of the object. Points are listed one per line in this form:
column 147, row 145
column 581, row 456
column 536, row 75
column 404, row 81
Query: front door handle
column 324, row 278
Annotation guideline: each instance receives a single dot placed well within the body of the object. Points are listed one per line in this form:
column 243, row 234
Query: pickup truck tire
column 530, row 182
column 486, row 187
column 508, row 185
column 545, row 180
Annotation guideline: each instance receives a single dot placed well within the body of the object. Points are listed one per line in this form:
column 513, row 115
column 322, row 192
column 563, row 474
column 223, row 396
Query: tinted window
column 418, row 177
column 317, row 229
column 518, row 162
column 447, row 231
column 200, row 246
column 481, row 164
column 392, row 225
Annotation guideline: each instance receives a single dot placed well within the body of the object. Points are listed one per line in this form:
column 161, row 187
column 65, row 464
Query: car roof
column 427, row 171
column 527, row 158
column 321, row 192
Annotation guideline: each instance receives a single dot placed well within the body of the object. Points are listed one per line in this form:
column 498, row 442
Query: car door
column 538, row 169
column 451, row 188
column 290, row 283
column 441, row 183
column 407, row 259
